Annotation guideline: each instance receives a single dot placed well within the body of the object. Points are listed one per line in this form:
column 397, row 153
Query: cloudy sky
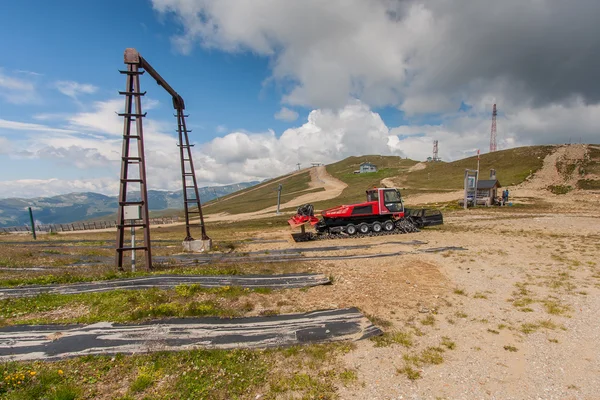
column 270, row 83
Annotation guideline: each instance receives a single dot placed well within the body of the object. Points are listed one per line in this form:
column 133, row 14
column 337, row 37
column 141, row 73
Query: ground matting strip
column 286, row 281
column 47, row 342
column 201, row 260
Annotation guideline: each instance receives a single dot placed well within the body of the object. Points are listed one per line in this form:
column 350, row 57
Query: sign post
column 32, row 223
column 279, row 198
column 132, row 213
column 470, row 185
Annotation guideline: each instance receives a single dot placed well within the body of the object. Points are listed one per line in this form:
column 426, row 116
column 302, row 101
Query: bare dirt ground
column 418, row 167
column 320, row 178
column 521, row 305
column 428, row 198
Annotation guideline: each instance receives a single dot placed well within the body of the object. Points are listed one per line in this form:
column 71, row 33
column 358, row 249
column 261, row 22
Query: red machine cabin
column 380, row 201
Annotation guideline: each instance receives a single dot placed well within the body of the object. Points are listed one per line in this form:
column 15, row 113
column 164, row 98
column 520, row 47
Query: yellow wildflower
column 32, row 373
column 60, row 371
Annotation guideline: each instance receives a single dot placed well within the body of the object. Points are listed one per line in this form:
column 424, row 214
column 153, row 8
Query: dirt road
column 320, row 178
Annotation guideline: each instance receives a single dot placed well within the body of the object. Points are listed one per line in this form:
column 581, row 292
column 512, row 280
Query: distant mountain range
column 86, row 206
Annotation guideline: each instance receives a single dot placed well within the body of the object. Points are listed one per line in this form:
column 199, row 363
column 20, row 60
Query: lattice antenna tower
column 493, row 132
column 435, row 150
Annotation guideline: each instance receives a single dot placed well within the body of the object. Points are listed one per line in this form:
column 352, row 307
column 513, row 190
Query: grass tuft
column 428, row 320
column 410, row 372
column 141, row 383
column 389, row 338
column 449, row 344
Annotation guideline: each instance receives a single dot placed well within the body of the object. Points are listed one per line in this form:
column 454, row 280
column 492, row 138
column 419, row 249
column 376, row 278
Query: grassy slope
column 389, row 166
column 590, row 166
column 261, row 198
column 512, row 167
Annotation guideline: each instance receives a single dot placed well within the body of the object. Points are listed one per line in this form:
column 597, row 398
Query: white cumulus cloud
column 285, row 114
column 74, row 89
column 17, row 90
column 425, row 56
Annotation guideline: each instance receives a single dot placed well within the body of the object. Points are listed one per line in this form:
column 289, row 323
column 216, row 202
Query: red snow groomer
column 383, row 213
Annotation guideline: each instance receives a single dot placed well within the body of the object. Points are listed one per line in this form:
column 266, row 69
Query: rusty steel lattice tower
column 191, row 197
column 493, row 132
column 435, row 150
column 133, row 95
column 136, row 66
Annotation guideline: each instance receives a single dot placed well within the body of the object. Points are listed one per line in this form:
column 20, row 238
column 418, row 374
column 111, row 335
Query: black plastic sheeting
column 287, row 281
column 48, row 342
column 192, row 259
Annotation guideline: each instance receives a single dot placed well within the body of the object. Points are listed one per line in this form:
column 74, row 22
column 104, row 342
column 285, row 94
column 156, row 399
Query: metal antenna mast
column 435, row 150
column 493, row 132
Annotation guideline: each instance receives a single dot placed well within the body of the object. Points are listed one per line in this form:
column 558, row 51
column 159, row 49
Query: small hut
column 487, row 191
column 367, row 167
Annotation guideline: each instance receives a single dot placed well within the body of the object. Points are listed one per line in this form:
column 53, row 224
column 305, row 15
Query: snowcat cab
column 388, row 200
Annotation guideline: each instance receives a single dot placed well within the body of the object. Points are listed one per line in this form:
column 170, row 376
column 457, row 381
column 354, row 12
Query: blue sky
column 65, row 41
column 347, row 79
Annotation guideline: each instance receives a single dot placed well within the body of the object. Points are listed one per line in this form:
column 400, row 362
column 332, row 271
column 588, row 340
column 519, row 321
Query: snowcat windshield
column 392, row 196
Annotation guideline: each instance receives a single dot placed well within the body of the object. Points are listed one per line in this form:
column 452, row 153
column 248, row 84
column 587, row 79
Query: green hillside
column 512, row 167
column 261, row 196
column 388, row 166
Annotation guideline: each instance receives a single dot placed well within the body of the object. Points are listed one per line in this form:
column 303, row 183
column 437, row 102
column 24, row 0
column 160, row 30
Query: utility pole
column 298, row 166
column 32, row 223
column 493, row 130
column 215, row 193
column 278, row 197
column 476, row 181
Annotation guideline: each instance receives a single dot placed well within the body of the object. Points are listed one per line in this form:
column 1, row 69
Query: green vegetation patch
column 300, row 372
column 397, row 337
column 512, row 167
column 432, row 355
column 124, row 305
column 560, row 189
column 388, row 166
column 259, row 197
column 589, row 184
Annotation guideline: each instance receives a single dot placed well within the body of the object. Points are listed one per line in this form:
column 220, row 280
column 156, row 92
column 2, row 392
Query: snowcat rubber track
column 402, row 227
